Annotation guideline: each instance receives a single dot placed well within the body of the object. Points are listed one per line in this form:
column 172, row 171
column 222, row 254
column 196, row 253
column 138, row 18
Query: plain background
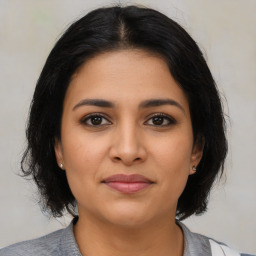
column 224, row 29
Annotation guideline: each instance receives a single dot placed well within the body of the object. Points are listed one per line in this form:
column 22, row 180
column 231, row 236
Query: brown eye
column 95, row 120
column 160, row 120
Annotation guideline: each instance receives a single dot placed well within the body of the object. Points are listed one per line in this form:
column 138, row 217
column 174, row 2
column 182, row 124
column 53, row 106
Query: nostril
column 121, row 159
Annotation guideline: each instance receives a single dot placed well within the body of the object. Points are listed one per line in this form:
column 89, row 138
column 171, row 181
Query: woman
column 126, row 132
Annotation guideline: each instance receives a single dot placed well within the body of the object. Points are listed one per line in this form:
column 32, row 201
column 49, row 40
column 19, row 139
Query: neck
column 96, row 238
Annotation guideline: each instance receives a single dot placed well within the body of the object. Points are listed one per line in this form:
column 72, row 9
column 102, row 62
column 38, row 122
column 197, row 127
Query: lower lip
column 128, row 187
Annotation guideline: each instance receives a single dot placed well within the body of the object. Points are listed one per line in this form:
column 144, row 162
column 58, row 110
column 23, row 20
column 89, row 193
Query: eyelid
column 98, row 114
column 170, row 119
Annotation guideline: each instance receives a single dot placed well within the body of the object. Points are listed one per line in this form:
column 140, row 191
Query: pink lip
column 128, row 184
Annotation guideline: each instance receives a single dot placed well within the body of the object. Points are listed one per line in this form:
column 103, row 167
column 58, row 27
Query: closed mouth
column 128, row 184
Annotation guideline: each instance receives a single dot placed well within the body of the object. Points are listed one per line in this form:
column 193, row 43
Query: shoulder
column 200, row 245
column 58, row 243
column 45, row 245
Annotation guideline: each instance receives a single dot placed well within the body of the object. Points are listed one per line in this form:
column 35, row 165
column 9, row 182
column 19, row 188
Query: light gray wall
column 225, row 29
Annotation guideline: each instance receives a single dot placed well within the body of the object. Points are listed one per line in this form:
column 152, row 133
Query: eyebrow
column 94, row 102
column 145, row 104
column 160, row 102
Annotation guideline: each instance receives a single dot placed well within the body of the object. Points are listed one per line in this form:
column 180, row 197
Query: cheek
column 83, row 158
column 172, row 160
column 82, row 150
column 174, row 151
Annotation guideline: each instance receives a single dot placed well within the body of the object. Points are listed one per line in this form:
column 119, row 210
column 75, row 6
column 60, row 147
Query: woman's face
column 126, row 139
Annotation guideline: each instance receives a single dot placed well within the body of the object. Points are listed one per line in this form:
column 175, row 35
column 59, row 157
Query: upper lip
column 127, row 178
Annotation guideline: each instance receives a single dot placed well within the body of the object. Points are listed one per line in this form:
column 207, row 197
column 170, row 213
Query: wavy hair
column 111, row 29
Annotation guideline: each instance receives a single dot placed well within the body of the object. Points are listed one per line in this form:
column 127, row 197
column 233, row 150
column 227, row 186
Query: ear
column 197, row 153
column 59, row 153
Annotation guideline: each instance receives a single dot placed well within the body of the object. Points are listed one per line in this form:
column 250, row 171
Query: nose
column 128, row 146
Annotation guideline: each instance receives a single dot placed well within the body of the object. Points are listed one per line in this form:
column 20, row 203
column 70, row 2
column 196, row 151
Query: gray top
column 62, row 242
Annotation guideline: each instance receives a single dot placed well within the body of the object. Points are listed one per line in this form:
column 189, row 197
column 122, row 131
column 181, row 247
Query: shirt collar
column 67, row 242
column 194, row 244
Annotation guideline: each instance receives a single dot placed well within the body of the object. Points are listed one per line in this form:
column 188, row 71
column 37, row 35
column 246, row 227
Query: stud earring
column 194, row 168
column 61, row 166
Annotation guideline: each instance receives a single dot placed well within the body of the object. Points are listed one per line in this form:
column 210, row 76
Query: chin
column 128, row 221
column 128, row 216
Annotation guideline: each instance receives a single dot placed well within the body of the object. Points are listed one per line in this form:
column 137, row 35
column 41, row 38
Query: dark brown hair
column 110, row 29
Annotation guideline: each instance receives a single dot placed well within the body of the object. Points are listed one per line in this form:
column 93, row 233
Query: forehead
column 125, row 75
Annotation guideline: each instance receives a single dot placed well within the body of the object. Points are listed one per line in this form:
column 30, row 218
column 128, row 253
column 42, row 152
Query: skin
column 127, row 140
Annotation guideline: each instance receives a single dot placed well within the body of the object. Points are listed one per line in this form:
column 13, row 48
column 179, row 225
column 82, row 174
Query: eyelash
column 90, row 116
column 169, row 119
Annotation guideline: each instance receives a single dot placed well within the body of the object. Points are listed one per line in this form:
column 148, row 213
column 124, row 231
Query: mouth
column 127, row 184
